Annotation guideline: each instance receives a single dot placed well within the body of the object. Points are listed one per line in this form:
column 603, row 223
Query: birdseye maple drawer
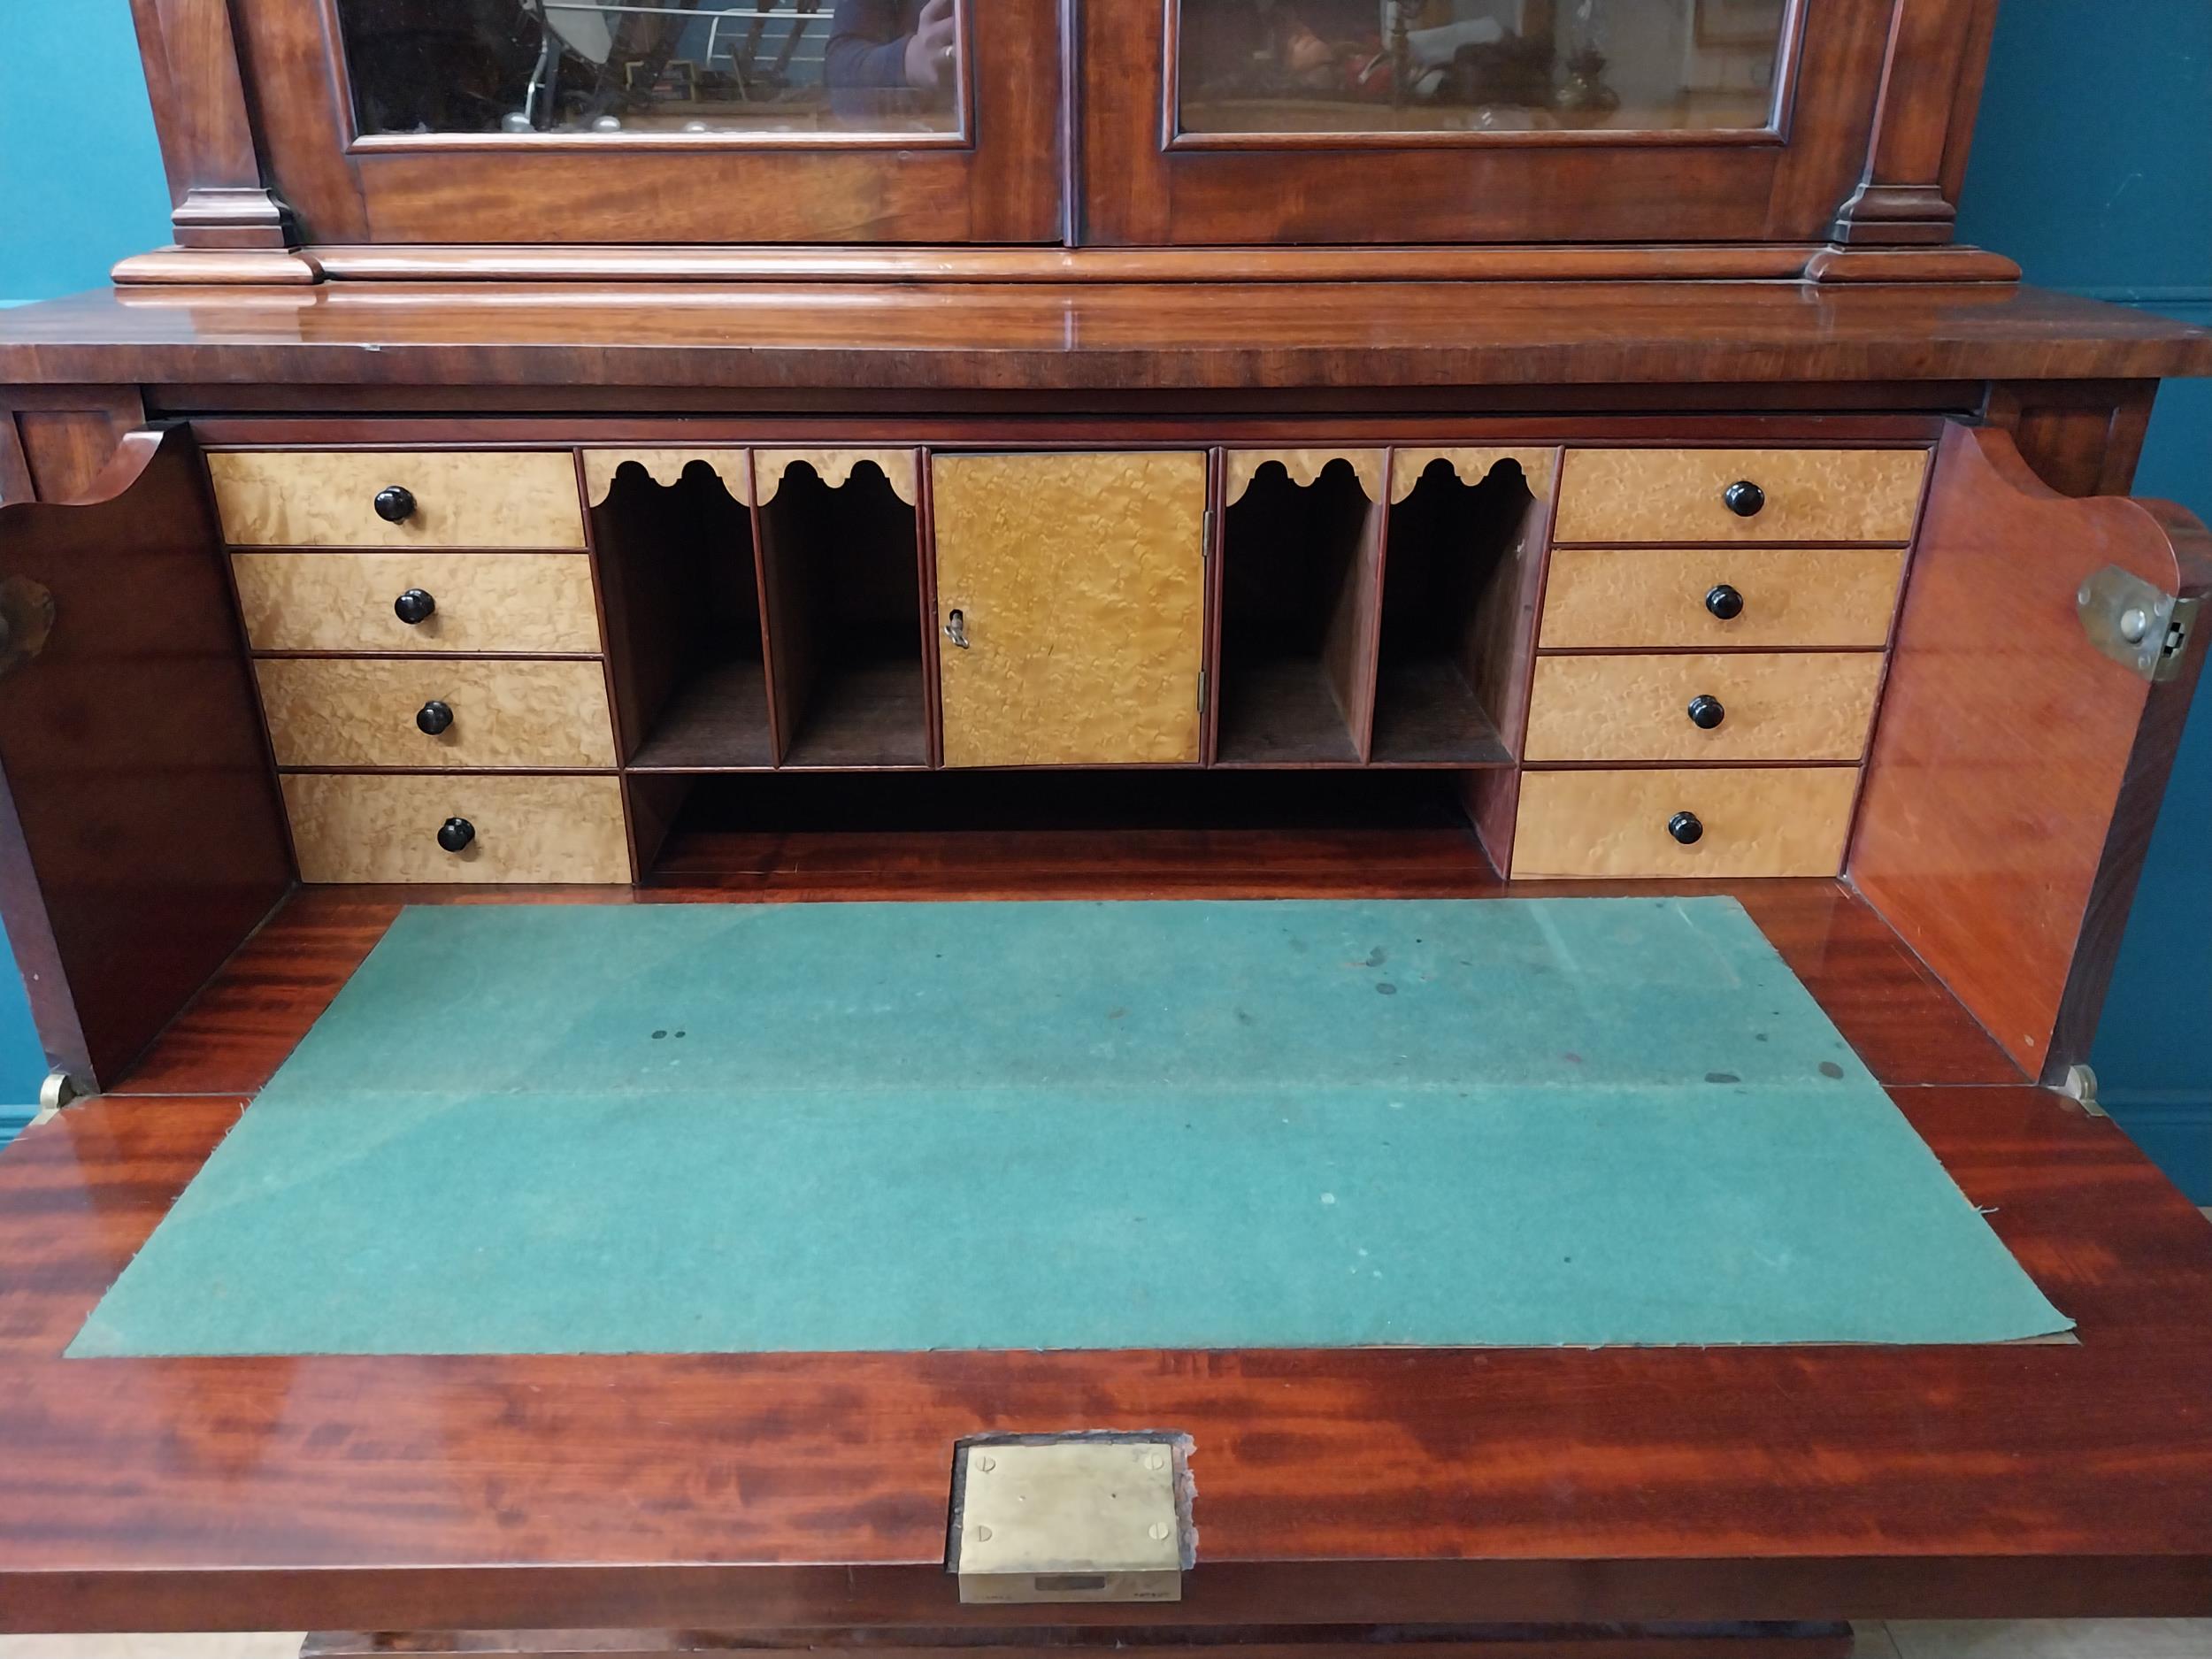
column 1720, row 598
column 394, row 498
column 1721, row 706
column 525, row 603
column 1699, row 822
column 1739, row 494
column 395, row 712
column 458, row 826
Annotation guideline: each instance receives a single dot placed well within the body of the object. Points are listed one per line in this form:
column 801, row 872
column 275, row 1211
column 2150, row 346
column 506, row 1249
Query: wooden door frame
column 997, row 181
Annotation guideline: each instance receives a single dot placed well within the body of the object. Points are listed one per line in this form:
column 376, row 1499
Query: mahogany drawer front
column 1767, row 821
column 1720, row 598
column 483, row 601
column 384, row 827
column 391, row 711
column 455, row 498
column 1720, row 706
column 1683, row 494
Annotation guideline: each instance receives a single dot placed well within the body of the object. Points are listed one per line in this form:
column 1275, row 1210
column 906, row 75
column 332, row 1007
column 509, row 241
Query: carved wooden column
column 1931, row 83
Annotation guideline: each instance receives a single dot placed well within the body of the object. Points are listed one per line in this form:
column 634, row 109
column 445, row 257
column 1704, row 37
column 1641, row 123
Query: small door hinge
column 1206, row 536
column 1085, row 1518
column 1201, row 691
column 2139, row 625
column 2081, row 1087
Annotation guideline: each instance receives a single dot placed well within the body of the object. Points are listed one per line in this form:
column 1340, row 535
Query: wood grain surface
column 1623, row 598
column 1081, row 581
column 383, row 826
column 324, row 499
column 1799, row 705
column 665, row 467
column 1772, row 821
column 1367, row 1485
column 360, row 712
column 1239, row 467
column 1676, row 495
column 1039, row 339
column 485, row 602
column 1538, row 467
column 834, row 467
column 2015, row 771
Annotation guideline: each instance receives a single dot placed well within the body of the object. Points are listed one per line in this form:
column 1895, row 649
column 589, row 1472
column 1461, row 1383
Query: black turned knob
column 1686, row 827
column 1725, row 602
column 413, row 606
column 456, row 833
column 1706, row 712
column 434, row 717
column 1744, row 498
column 395, row 505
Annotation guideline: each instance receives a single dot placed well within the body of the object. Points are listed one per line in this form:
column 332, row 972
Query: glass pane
column 703, row 67
column 1478, row 65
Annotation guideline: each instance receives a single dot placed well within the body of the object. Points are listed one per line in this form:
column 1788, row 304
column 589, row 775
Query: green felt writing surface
column 1185, row 1125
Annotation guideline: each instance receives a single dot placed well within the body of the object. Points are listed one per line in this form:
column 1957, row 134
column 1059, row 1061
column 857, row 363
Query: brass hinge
column 1083, row 1518
column 1206, row 536
column 1201, row 691
column 2081, row 1087
column 2139, row 625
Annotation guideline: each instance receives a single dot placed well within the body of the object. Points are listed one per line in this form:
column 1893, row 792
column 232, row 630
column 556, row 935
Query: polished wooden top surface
column 1333, row 1487
column 1141, row 336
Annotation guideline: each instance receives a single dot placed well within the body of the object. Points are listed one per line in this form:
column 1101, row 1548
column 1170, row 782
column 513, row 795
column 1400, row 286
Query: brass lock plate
column 1081, row 1519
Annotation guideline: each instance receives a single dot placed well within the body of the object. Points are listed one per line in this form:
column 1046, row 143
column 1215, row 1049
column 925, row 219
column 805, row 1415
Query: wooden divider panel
column 2016, row 769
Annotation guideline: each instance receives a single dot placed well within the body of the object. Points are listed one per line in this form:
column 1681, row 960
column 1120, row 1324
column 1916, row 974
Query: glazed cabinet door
column 659, row 121
column 1225, row 121
column 1071, row 601
column 143, row 840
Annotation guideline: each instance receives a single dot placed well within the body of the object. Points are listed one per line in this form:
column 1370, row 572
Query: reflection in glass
column 701, row 67
column 1478, row 65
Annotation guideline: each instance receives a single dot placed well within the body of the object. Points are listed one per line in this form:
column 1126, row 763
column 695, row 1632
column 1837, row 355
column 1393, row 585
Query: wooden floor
column 1370, row 1485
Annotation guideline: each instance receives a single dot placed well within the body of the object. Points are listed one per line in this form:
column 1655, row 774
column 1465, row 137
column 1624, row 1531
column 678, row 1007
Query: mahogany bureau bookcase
column 597, row 452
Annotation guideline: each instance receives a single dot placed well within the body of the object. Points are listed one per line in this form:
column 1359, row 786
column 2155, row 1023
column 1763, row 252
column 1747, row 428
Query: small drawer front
column 384, row 712
column 1703, row 822
column 387, row 498
column 477, row 602
column 1720, row 598
column 1739, row 494
column 386, row 827
column 1719, row 706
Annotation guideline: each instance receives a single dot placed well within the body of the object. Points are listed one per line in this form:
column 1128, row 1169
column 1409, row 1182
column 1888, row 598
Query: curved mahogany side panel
column 2015, row 771
column 140, row 834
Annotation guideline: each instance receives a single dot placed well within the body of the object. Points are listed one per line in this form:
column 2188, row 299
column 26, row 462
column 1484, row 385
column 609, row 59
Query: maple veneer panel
column 341, row 712
column 1239, row 467
column 487, row 602
column 666, row 467
column 384, row 827
column 1799, row 706
column 1627, row 598
column 1772, row 821
column 1676, row 495
column 1472, row 466
column 325, row 498
column 836, row 467
column 1081, row 582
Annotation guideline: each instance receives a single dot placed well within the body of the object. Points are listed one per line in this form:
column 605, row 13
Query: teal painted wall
column 2093, row 167
column 80, row 168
